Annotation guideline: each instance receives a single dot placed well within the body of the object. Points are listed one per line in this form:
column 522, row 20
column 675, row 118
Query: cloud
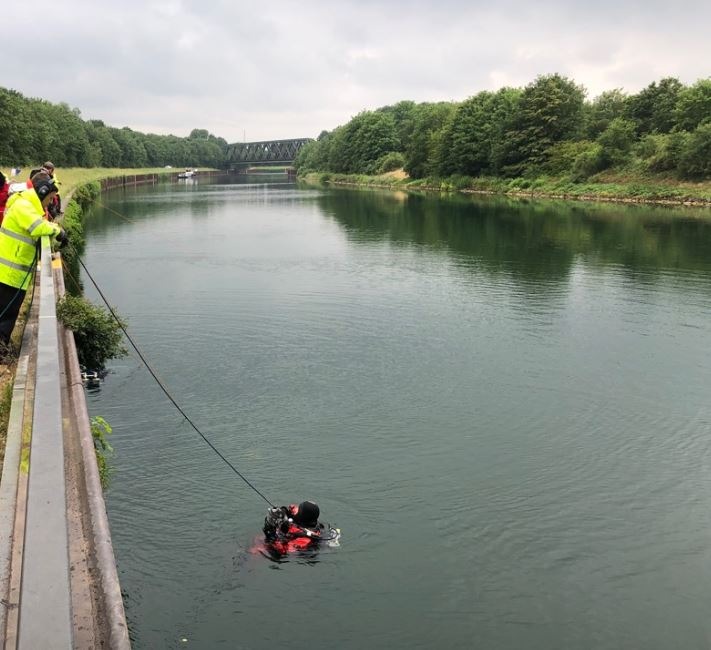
column 282, row 69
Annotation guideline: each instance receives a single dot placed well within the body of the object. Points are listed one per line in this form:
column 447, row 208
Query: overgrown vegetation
column 35, row 130
column 544, row 133
column 100, row 430
column 97, row 334
column 5, row 403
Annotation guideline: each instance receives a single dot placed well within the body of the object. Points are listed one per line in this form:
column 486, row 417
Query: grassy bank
column 606, row 186
column 74, row 177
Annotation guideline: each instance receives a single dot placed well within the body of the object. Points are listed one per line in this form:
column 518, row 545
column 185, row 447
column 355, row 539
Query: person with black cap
column 294, row 527
column 54, row 207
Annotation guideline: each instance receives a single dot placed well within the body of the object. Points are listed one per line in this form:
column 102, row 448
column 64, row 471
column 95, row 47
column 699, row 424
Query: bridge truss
column 266, row 152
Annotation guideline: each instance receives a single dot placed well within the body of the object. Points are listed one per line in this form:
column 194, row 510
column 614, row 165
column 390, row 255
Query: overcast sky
column 269, row 69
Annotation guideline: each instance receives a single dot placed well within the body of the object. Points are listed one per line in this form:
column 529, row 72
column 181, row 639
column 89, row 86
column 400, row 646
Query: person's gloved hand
column 62, row 238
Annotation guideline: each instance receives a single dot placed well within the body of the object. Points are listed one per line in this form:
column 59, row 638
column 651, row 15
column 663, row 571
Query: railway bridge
column 267, row 152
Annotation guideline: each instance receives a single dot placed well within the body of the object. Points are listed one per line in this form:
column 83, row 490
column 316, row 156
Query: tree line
column 548, row 128
column 34, row 130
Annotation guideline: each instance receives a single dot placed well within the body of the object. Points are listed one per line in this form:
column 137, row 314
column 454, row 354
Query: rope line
column 162, row 385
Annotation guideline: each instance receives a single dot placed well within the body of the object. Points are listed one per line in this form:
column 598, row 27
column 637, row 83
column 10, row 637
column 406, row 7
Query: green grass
column 5, row 402
column 73, row 177
column 607, row 186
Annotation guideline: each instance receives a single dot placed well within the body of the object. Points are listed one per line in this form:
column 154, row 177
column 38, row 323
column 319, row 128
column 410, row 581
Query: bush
column 560, row 158
column 649, row 146
column 85, row 194
column 617, row 140
column 390, row 162
column 100, row 429
column 695, row 158
column 72, row 223
column 97, row 334
column 669, row 153
column 588, row 163
column 460, row 182
column 520, row 183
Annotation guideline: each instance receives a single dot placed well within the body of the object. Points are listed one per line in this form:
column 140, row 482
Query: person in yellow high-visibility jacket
column 22, row 227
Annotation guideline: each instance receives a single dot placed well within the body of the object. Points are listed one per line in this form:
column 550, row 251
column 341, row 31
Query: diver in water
column 296, row 528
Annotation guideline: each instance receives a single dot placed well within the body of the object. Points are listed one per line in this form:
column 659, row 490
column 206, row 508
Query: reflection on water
column 503, row 404
column 529, row 238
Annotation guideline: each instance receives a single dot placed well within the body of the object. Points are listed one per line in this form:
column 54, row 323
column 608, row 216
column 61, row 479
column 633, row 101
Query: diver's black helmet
column 308, row 514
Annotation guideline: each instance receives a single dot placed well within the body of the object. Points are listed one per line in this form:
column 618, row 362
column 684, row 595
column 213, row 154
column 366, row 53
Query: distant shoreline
column 636, row 192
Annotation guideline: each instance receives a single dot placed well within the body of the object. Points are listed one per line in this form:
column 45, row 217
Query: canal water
column 504, row 405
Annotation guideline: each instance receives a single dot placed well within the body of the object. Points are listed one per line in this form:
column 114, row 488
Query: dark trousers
column 10, row 302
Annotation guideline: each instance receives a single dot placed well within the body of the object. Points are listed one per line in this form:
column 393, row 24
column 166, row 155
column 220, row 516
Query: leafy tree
column 654, row 108
column 693, row 105
column 550, row 110
column 616, row 141
column 403, row 114
column 605, row 108
column 358, row 145
column 695, row 161
column 428, row 122
column 476, row 129
column 314, row 155
column 562, row 156
column 34, row 130
column 588, row 162
column 668, row 150
column 14, row 127
column 390, row 162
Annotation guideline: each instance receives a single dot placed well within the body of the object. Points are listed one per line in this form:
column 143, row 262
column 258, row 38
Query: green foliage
column 390, row 162
column 5, row 406
column 669, row 149
column 72, row 222
column 87, row 193
column 545, row 129
column 654, row 109
column 429, row 124
column 34, row 130
column 362, row 142
column 648, row 146
column 314, row 155
column 609, row 105
column 550, row 110
column 100, row 430
column 616, row 141
column 472, row 135
column 97, row 334
column 561, row 157
column 695, row 160
column 694, row 105
column 588, row 162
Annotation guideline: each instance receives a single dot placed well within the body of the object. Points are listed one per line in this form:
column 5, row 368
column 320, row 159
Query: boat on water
column 188, row 173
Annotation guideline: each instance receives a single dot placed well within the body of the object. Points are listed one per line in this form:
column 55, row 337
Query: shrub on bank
column 97, row 334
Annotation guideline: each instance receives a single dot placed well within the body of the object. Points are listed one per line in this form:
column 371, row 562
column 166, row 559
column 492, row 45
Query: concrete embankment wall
column 131, row 180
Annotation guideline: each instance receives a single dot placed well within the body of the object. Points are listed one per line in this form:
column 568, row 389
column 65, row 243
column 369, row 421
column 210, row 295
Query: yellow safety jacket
column 21, row 228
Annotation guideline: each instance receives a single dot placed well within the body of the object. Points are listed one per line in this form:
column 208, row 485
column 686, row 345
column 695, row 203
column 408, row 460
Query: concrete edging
column 108, row 583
